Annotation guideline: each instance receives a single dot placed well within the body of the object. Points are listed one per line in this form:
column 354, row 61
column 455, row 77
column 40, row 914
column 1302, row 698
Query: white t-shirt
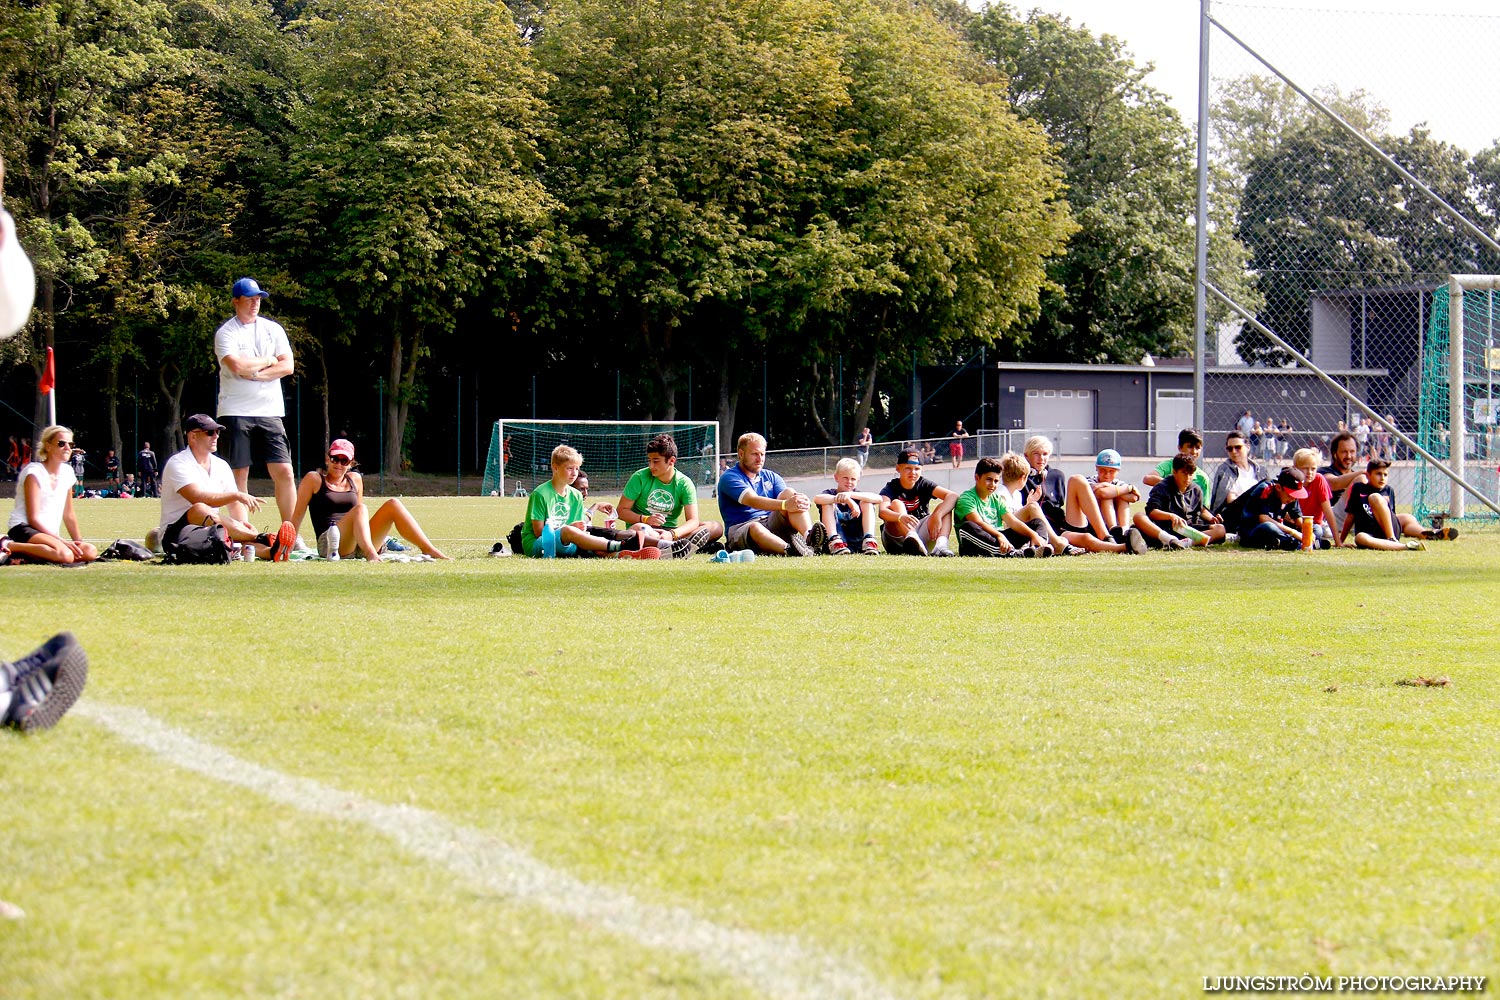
column 54, row 496
column 243, row 397
column 17, row 280
column 1243, row 480
column 182, row 469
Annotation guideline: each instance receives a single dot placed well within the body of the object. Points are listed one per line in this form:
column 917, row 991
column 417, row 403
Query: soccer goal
column 1459, row 401
column 521, row 450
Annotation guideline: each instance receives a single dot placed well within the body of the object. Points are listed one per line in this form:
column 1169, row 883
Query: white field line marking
column 777, row 965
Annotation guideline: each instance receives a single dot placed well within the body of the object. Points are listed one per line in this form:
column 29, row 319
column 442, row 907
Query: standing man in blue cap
column 254, row 355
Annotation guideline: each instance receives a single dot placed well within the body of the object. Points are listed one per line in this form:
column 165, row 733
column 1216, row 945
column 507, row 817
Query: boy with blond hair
column 847, row 516
column 555, row 524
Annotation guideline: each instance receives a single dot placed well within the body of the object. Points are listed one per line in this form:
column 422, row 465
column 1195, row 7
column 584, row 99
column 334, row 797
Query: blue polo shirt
column 736, row 481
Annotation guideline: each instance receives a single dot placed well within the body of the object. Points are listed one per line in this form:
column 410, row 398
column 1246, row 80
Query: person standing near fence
column 862, row 447
column 956, row 443
column 146, row 468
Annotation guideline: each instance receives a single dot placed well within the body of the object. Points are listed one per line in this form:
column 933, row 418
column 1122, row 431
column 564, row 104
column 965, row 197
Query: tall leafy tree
column 1125, row 286
column 411, row 187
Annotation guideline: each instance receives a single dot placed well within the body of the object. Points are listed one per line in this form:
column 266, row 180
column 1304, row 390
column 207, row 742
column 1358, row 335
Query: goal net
column 521, row 451
column 1459, row 399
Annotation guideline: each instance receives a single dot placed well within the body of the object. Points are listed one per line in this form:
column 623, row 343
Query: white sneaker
column 328, row 543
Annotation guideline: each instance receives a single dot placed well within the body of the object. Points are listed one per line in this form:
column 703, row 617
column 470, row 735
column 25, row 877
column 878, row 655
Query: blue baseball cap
column 246, row 288
column 1108, row 458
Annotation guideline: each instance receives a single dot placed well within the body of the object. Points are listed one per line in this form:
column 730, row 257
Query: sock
column 1117, row 533
column 941, row 542
column 613, row 546
column 632, row 544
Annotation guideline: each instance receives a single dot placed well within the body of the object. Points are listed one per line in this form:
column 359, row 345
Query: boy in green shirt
column 986, row 527
column 1189, row 443
column 555, row 525
column 662, row 504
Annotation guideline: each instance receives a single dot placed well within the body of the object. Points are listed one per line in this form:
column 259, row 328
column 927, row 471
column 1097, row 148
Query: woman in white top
column 44, row 504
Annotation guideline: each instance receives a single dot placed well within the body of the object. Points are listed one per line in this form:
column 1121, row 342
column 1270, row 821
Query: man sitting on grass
column 1372, row 514
column 1176, row 516
column 909, row 523
column 848, row 516
column 759, row 509
column 198, row 487
column 555, row 525
column 662, row 503
column 986, row 527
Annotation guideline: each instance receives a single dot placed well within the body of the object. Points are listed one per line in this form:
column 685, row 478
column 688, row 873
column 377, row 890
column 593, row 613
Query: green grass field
column 1104, row 776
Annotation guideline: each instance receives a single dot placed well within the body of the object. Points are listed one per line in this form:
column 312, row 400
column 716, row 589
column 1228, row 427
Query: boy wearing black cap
column 1269, row 516
column 908, row 522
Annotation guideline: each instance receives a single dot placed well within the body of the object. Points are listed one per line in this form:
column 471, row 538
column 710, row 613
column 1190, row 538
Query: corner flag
column 49, row 375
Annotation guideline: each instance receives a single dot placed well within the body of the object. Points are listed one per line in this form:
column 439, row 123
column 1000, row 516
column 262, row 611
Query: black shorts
column 22, row 533
column 248, row 440
column 1057, row 517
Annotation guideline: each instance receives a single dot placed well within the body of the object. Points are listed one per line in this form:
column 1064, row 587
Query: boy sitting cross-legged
column 910, row 524
column 662, row 503
column 847, row 516
column 986, row 527
column 554, row 524
column 1176, row 515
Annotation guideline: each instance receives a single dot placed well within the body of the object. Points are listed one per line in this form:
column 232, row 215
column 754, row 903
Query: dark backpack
column 198, row 543
column 514, row 539
column 124, row 548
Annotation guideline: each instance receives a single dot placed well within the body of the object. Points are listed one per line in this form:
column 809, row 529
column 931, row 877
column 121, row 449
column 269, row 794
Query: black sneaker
column 45, row 683
column 692, row 545
column 797, row 545
column 817, row 537
column 1135, row 542
column 714, row 547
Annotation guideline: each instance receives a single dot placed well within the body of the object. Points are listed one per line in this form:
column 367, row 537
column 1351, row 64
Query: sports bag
column 124, row 548
column 198, row 543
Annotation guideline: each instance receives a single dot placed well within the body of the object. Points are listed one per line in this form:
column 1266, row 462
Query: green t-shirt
column 1199, row 476
column 546, row 505
column 649, row 495
column 991, row 510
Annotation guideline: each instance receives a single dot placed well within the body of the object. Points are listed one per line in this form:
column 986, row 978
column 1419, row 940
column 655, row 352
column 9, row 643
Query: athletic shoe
column 1025, row 552
column 692, row 545
column 838, row 547
column 1446, row 533
column 1135, row 542
column 300, row 546
column 797, row 545
column 1181, row 543
column 817, row 537
column 44, row 684
column 944, row 552
column 1074, row 550
column 282, row 544
column 649, row 552
column 1233, row 538
column 716, row 546
column 499, row 551
column 914, row 545
column 328, row 543
column 1415, row 545
column 869, row 547
column 1043, row 551
column 391, row 545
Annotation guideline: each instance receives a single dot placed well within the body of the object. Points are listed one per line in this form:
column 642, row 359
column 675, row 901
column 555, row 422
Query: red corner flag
column 49, row 375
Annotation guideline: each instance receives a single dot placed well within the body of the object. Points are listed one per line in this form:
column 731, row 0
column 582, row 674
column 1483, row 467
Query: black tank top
column 328, row 506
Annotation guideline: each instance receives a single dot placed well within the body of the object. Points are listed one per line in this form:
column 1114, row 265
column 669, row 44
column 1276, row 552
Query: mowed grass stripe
column 778, row 966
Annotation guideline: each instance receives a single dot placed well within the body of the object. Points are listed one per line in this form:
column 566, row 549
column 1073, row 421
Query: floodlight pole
column 1200, row 295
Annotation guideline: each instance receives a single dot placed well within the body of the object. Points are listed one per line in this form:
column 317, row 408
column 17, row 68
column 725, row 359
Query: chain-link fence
column 1327, row 244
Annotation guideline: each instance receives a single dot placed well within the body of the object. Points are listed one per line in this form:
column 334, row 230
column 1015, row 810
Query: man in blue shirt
column 759, row 509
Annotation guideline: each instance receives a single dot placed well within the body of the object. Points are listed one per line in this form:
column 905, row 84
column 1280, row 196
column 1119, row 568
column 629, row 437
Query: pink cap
column 341, row 447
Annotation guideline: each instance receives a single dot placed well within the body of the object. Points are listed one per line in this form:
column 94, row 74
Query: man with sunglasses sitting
column 198, row 487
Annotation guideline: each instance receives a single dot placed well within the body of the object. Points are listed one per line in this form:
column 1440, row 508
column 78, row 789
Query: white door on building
column 1064, row 415
column 1174, row 411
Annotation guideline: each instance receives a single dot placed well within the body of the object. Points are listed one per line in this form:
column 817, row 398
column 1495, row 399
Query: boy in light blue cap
column 1114, row 494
